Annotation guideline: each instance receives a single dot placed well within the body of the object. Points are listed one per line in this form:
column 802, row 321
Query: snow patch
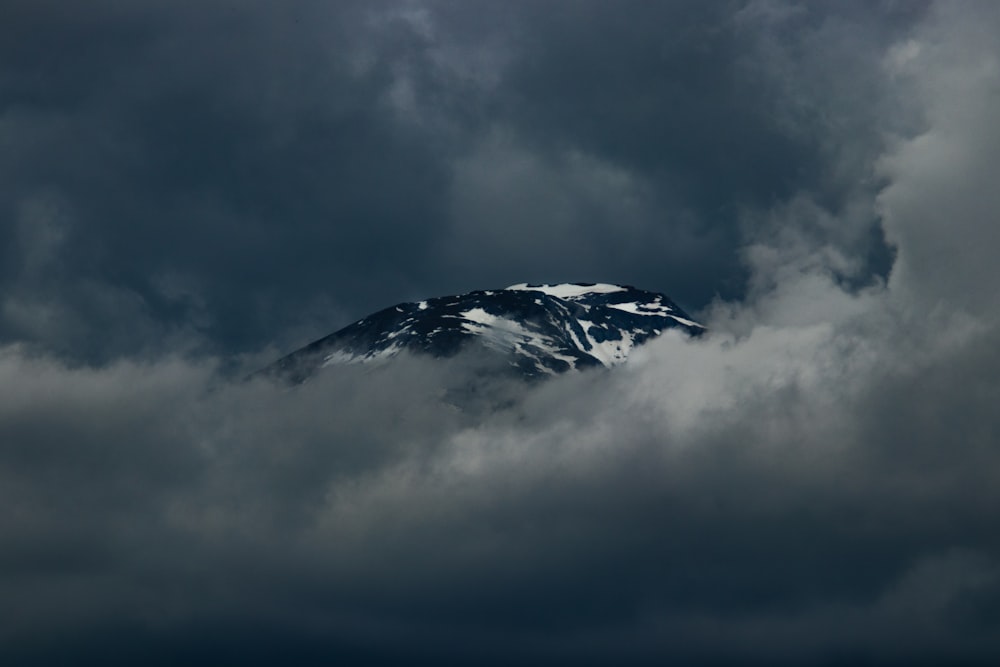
column 568, row 290
column 687, row 322
column 642, row 309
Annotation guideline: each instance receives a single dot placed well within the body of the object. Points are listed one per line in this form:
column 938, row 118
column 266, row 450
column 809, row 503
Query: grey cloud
column 813, row 482
column 776, row 499
column 940, row 203
column 221, row 147
column 237, row 177
column 805, row 492
column 544, row 216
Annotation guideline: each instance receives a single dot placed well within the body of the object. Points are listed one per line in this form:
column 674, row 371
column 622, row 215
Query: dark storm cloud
column 813, row 482
column 777, row 499
column 215, row 165
column 707, row 109
column 234, row 176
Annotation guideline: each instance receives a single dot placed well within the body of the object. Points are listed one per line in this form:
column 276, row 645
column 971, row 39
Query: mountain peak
column 537, row 330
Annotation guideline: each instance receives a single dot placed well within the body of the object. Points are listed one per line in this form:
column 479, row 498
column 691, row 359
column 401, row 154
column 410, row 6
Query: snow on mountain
column 537, row 329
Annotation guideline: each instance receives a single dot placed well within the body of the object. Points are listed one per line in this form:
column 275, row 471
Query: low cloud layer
column 814, row 481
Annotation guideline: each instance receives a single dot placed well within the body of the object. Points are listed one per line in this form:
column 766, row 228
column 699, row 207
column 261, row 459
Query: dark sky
column 235, row 175
column 188, row 190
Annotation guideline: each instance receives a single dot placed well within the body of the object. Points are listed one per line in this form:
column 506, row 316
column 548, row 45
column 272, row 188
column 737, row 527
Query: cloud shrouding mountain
column 813, row 481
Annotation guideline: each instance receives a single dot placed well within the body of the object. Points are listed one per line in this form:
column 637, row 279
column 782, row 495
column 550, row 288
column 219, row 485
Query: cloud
column 238, row 177
column 940, row 204
column 802, row 492
column 814, row 481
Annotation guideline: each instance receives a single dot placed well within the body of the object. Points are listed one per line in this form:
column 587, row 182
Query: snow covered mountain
column 536, row 329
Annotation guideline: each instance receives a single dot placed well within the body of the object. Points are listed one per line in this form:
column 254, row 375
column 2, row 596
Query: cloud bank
column 815, row 481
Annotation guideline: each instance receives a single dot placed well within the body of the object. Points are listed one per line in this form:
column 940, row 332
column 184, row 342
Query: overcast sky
column 190, row 189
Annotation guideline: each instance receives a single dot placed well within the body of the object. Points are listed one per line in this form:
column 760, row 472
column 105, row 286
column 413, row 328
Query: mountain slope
column 537, row 329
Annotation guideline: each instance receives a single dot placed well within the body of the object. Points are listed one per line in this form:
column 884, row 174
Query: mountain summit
column 536, row 329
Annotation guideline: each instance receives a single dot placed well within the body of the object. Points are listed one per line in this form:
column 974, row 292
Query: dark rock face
column 537, row 329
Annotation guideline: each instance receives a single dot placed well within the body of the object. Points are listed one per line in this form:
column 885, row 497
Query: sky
column 190, row 190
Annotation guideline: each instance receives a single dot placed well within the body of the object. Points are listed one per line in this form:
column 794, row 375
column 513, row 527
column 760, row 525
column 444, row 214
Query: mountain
column 536, row 330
